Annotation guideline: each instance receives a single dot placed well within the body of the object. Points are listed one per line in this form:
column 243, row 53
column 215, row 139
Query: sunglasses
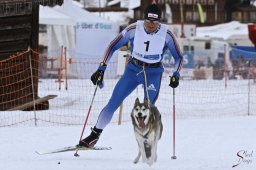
column 150, row 21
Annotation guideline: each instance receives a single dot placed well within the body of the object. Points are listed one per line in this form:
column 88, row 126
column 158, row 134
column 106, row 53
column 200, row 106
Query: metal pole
column 249, row 88
column 225, row 66
column 100, row 7
column 182, row 20
column 60, row 69
column 174, row 125
column 120, row 114
column 66, row 69
column 216, row 12
column 32, row 82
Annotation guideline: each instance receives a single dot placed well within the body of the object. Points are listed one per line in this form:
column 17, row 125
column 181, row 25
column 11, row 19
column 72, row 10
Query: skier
column 148, row 40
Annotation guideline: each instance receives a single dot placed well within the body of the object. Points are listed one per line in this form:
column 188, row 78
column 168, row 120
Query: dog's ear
column 146, row 102
column 137, row 101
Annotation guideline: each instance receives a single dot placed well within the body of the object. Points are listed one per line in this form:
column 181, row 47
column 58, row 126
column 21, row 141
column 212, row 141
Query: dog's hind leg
column 136, row 160
column 155, row 152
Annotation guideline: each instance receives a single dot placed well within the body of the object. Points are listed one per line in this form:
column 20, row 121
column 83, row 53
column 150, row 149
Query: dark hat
column 152, row 12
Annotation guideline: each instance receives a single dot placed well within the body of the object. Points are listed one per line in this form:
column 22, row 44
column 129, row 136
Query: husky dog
column 147, row 129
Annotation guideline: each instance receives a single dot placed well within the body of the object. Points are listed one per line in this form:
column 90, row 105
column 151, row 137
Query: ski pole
column 173, row 109
column 94, row 94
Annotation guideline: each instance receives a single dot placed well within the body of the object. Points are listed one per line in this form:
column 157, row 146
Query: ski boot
column 92, row 139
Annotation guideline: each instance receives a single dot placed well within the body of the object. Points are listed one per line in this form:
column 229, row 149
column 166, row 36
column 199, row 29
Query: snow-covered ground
column 214, row 143
column 212, row 128
column 201, row 144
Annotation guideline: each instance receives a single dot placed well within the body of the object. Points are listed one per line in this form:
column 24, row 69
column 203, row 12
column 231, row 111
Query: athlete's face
column 151, row 25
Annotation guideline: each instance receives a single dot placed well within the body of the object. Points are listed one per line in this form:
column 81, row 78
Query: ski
column 72, row 148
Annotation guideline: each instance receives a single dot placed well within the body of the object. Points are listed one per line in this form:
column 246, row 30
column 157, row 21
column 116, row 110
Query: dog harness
column 151, row 127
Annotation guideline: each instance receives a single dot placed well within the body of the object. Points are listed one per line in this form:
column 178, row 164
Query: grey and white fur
column 148, row 129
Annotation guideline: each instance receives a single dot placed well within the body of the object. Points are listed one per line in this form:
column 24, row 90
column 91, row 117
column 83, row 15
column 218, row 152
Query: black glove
column 174, row 80
column 97, row 77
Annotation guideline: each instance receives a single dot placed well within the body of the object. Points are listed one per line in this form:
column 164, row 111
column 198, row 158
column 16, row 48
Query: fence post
column 32, row 82
column 225, row 65
column 249, row 86
column 60, row 69
column 120, row 114
column 66, row 69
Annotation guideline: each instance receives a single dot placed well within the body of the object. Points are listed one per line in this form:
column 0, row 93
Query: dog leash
column 146, row 84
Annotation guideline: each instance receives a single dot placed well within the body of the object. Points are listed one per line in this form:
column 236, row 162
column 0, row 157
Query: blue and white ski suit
column 145, row 47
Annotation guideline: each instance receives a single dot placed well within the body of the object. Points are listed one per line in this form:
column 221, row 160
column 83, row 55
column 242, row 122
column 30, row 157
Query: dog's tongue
column 141, row 122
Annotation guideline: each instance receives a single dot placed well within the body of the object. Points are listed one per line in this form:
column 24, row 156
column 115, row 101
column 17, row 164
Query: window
column 211, row 2
column 203, row 2
column 185, row 48
column 42, row 28
column 237, row 16
column 245, row 17
column 192, row 48
column 193, row 16
column 196, row 16
column 207, row 45
column 188, row 48
column 252, row 16
column 189, row 16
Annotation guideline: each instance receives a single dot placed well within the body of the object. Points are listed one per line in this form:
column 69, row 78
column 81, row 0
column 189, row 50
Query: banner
column 201, row 13
column 245, row 53
column 168, row 13
column 188, row 59
column 92, row 39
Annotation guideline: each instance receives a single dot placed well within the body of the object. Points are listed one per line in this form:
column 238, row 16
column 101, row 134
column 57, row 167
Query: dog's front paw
column 155, row 158
column 136, row 160
column 150, row 162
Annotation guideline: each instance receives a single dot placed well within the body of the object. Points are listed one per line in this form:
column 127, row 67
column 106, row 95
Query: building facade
column 202, row 12
column 19, row 28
